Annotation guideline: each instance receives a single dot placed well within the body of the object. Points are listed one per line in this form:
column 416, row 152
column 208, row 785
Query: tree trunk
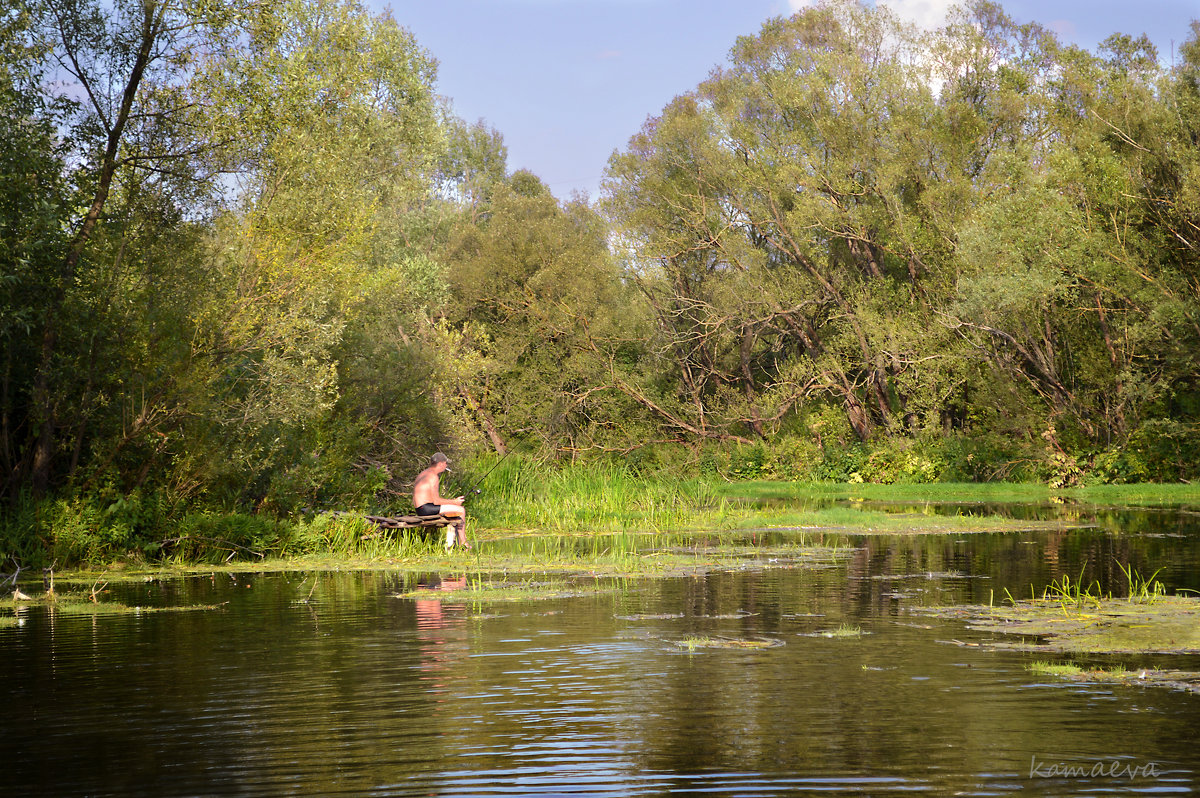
column 485, row 418
column 43, row 405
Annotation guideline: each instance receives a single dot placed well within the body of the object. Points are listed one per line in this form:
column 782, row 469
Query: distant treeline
column 250, row 261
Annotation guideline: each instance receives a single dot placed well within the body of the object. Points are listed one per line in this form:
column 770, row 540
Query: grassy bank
column 1146, row 495
column 550, row 510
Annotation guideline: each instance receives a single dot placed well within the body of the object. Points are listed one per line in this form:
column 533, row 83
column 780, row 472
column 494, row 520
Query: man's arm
column 443, row 500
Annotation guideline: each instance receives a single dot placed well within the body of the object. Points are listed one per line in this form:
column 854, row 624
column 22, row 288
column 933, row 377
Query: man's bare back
column 427, row 487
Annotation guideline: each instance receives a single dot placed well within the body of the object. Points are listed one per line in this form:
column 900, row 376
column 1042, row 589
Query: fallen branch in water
column 12, row 580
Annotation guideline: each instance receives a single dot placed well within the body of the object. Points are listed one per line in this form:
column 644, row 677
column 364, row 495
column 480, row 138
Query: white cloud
column 927, row 14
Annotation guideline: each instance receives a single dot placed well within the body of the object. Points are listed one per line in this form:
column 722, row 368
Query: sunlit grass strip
column 606, row 498
column 598, row 497
column 859, row 521
column 1133, row 495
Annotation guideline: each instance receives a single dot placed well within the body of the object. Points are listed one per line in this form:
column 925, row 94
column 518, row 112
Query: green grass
column 953, row 492
column 599, row 497
column 1066, row 590
column 1075, row 672
column 842, row 631
column 602, row 498
column 1147, row 589
column 1109, row 626
column 1042, row 668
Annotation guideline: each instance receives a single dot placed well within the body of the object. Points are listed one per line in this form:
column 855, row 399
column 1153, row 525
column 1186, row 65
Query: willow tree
column 248, row 176
column 777, row 214
column 1079, row 266
column 115, row 71
column 535, row 292
column 971, row 227
column 340, row 139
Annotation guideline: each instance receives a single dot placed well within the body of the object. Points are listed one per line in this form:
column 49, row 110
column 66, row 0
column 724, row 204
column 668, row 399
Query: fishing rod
column 479, row 481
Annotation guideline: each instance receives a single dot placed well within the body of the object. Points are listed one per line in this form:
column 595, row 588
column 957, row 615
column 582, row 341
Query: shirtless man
column 428, row 500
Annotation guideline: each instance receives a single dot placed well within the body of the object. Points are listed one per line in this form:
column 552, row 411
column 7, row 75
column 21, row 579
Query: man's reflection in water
column 435, row 624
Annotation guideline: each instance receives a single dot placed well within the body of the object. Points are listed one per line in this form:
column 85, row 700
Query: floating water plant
column 87, row 602
column 507, row 591
column 1042, row 668
column 844, row 630
column 1143, row 677
column 1169, row 624
column 693, row 643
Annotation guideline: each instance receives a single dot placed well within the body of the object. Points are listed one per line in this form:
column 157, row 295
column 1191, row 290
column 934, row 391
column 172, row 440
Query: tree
column 340, row 141
column 975, row 226
column 777, row 212
column 534, row 289
column 125, row 59
column 33, row 207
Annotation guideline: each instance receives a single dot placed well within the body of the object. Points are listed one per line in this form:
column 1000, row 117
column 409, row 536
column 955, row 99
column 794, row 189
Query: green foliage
column 1142, row 588
column 993, row 261
column 1160, row 450
column 535, row 294
column 98, row 528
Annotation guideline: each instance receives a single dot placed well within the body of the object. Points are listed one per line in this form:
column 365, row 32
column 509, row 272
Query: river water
column 333, row 684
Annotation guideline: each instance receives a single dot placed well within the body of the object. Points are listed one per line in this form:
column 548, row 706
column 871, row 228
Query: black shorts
column 429, row 509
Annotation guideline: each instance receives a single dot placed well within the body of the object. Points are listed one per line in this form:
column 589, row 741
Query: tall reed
column 606, row 497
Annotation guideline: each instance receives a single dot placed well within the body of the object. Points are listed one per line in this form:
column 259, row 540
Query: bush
column 841, row 464
column 1160, row 450
column 102, row 527
column 905, row 461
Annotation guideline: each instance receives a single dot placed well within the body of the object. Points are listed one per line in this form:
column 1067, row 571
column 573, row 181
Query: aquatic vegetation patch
column 1145, row 677
column 842, row 631
column 690, row 644
column 1066, row 590
column 92, row 603
column 576, row 553
column 1168, row 624
column 864, row 521
column 483, row 591
column 650, row 616
column 1067, row 669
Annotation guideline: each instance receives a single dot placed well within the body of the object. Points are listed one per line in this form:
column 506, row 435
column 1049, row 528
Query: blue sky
column 567, row 82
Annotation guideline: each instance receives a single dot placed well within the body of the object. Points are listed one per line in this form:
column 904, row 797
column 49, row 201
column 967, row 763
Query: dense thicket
column 250, row 261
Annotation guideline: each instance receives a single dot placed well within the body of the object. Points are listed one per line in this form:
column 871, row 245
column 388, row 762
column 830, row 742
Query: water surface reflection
column 331, row 684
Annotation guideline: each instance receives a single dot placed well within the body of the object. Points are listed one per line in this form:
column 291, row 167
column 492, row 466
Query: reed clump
column 597, row 497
